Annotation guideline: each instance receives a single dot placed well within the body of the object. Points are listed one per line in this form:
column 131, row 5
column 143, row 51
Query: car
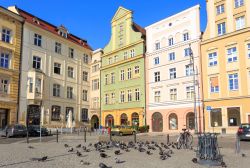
column 34, row 130
column 244, row 131
column 15, row 130
column 122, row 130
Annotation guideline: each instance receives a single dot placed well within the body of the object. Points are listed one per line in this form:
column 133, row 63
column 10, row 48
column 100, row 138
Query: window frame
column 37, row 62
column 212, row 59
column 38, row 40
column 57, row 66
column 5, row 60
column 172, row 73
column 232, row 55
column 221, row 28
column 58, row 48
column 233, row 82
column 157, row 76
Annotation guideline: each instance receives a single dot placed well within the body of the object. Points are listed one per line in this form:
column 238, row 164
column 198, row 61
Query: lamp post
column 194, row 84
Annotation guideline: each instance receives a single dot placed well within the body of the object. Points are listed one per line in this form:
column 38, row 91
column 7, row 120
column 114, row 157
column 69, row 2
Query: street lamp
column 194, row 83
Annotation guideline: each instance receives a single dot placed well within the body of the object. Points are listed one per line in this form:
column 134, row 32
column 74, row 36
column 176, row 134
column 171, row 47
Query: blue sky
column 90, row 19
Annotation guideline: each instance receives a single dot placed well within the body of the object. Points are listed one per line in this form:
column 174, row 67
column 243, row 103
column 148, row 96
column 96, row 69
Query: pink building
column 170, row 73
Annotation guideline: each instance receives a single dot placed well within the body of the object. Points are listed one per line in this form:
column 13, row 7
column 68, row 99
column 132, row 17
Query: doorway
column 3, row 118
column 157, row 122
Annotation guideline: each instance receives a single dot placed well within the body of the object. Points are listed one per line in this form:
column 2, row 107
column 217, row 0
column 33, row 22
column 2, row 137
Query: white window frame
column 157, row 45
column 38, row 61
column 212, row 59
column 240, row 22
column 171, row 56
column 37, row 40
column 234, row 78
column 248, row 50
column 4, row 86
column 187, row 52
column 110, row 60
column 170, row 41
column 122, row 96
column 186, row 36
column 113, row 98
column 6, row 35
column 137, row 94
column 5, row 57
column 129, row 95
column 156, row 61
column 238, row 3
column 70, row 72
column 85, row 95
column 173, row 94
column 125, row 55
column 157, row 76
column 157, row 96
column 172, row 73
column 129, row 73
column 106, row 79
column 112, row 77
column 189, row 70
column 69, row 92
column 220, row 9
column 232, row 55
column 58, row 48
column 137, row 69
column 85, row 76
column 221, row 28
column 190, row 92
column 56, row 90
column 106, row 99
column 71, row 52
column 57, row 65
column 122, row 75
column 132, row 53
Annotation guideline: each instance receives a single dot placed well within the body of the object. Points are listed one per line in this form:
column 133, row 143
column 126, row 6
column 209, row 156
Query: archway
column 135, row 119
column 124, row 119
column 190, row 120
column 157, row 122
column 173, row 121
column 94, row 122
column 109, row 121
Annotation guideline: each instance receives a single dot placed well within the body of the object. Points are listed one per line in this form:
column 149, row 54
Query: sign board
column 209, row 108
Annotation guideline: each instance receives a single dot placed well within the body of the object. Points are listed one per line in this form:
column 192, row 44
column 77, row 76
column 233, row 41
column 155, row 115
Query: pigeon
column 78, row 146
column 161, row 153
column 84, row 163
column 102, row 165
column 30, row 147
column 66, row 145
column 71, row 150
column 149, row 153
column 118, row 161
column 243, row 155
column 103, row 155
column 40, row 159
column 141, row 149
column 163, row 157
column 194, row 160
column 223, row 164
column 90, row 144
column 117, row 152
column 78, row 153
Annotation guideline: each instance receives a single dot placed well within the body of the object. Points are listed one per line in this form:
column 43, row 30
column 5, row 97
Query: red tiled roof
column 52, row 28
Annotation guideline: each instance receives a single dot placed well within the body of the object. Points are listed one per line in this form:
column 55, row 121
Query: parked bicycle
column 185, row 139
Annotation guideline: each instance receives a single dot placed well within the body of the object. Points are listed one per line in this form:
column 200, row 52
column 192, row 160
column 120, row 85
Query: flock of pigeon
column 165, row 151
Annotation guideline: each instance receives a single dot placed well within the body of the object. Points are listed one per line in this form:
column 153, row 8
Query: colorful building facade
column 225, row 62
column 11, row 26
column 122, row 73
column 171, row 80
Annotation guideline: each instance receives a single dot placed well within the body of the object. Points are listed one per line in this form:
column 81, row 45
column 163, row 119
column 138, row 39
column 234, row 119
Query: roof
column 52, row 28
column 139, row 29
column 12, row 14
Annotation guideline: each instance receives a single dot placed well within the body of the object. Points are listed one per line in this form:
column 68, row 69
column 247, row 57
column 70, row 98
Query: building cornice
column 226, row 98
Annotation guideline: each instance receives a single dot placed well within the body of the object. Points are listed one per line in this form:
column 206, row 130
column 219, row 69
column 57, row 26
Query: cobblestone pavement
column 18, row 154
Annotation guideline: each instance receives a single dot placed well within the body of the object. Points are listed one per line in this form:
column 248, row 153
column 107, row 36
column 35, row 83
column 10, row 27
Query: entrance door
column 34, row 114
column 3, row 118
column 94, row 122
column 157, row 122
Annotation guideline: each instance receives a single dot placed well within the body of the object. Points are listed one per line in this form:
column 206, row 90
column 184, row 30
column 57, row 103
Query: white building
column 170, row 93
column 54, row 74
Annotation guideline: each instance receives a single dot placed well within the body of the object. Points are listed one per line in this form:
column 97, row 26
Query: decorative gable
column 121, row 12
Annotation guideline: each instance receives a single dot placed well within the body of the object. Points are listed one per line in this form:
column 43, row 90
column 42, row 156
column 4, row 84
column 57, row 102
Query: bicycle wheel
column 189, row 140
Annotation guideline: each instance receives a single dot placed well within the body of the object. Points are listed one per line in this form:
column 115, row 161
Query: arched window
column 173, row 121
column 157, row 122
column 109, row 121
column 190, row 120
column 124, row 119
column 135, row 119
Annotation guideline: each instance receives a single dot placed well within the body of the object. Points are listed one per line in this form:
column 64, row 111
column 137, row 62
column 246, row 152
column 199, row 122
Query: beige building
column 95, row 88
column 225, row 62
column 55, row 75
column 10, row 49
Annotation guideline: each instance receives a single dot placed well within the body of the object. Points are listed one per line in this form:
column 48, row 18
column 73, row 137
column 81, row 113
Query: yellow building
column 10, row 49
column 225, row 60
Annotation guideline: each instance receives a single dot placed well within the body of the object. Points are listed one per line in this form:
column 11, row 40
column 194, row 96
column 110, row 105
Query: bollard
column 85, row 134
column 57, row 135
column 135, row 137
column 90, row 132
column 50, row 132
column 237, row 145
column 78, row 132
column 110, row 136
column 27, row 137
column 167, row 138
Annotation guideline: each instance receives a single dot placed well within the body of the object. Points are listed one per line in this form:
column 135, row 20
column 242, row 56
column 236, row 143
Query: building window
column 122, row 75
column 240, row 23
column 116, row 58
column 71, row 53
column 85, row 58
column 232, row 54
column 189, row 70
column 38, row 85
column 110, row 60
column 106, row 79
column 137, row 94
column 212, row 59
column 85, row 76
column 113, row 98
column 233, row 82
column 56, row 90
column 132, row 53
column 137, row 69
column 185, row 36
column 6, row 35
column 221, row 28
column 157, row 96
column 187, row 52
column 129, row 95
column 238, row 3
column 122, row 96
column 173, row 94
column 248, row 50
column 4, row 86
column 85, row 95
column 173, row 121
column 156, row 60
column 57, row 68
column 129, row 73
column 220, row 9
column 31, row 85
column 214, row 84
column 37, row 40
column 69, row 111
column 70, row 92
column 125, row 55
column 216, row 117
column 157, row 76
column 172, row 73
column 55, row 113
column 70, row 72
column 157, row 46
column 171, row 56
column 4, row 60
column 95, row 102
column 171, row 41
column 95, row 68
column 190, row 92
column 233, row 115
column 36, row 62
column 95, row 84
column 112, row 78
column 85, row 117
column 58, row 48
column 106, row 99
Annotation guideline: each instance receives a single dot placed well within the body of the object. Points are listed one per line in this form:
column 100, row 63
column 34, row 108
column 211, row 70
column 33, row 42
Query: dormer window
column 62, row 31
column 35, row 20
column 63, row 34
